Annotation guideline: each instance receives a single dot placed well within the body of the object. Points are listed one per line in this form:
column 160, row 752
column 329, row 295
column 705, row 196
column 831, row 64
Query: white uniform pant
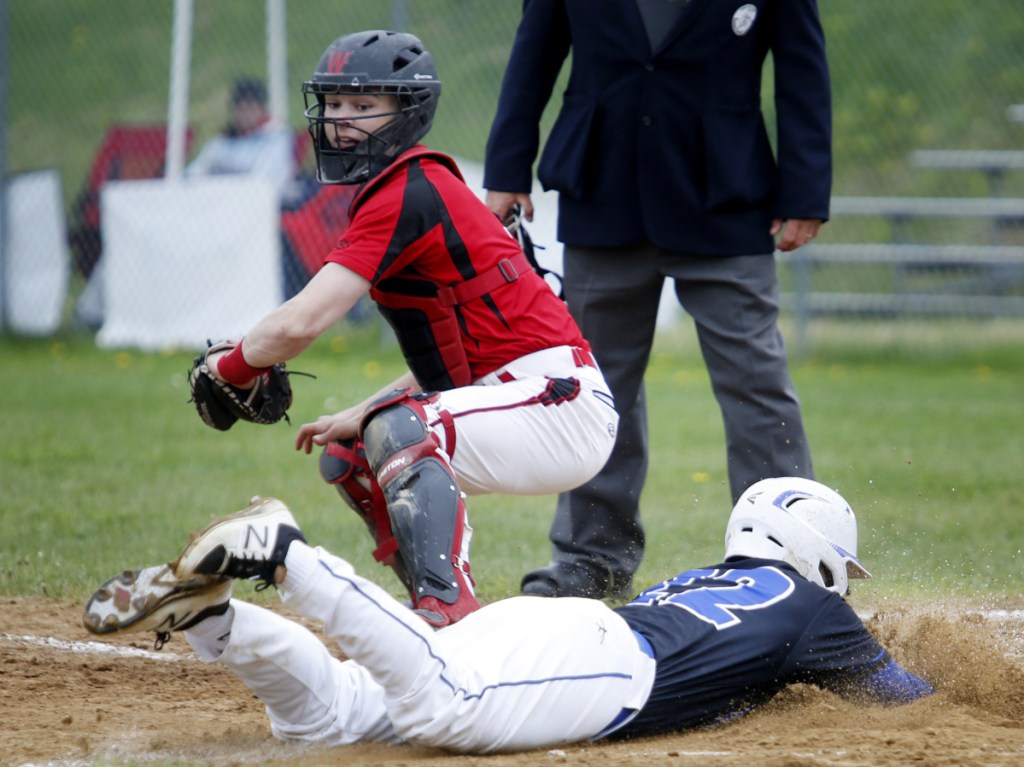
column 523, row 673
column 509, row 438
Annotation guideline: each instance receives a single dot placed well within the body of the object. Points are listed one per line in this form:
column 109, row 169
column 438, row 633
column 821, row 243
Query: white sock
column 209, row 637
column 300, row 563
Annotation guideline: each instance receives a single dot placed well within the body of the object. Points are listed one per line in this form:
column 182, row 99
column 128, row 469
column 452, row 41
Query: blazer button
column 645, row 121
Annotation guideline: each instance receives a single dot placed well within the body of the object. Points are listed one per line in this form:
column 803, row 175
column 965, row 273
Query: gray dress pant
column 734, row 302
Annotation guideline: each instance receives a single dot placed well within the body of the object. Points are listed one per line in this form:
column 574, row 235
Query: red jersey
column 417, row 229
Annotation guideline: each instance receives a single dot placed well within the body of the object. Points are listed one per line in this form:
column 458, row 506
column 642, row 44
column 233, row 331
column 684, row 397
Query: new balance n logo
column 251, row 532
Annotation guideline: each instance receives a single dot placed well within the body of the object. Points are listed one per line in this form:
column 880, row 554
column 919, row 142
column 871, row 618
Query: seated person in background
column 704, row 647
column 252, row 143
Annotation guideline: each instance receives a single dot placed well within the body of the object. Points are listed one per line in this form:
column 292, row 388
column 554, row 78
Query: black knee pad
column 395, row 429
column 424, row 505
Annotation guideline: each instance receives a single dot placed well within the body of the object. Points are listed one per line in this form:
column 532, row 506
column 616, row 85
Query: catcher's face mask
column 370, row 63
column 352, row 117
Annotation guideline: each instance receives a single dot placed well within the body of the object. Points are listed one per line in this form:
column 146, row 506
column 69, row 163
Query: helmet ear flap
column 827, row 578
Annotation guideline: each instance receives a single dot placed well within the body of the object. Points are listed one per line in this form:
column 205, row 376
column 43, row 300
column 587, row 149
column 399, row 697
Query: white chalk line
column 996, row 616
column 101, row 648
column 91, row 648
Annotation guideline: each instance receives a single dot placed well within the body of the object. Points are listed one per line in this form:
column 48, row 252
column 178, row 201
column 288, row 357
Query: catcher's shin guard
column 343, row 464
column 427, row 511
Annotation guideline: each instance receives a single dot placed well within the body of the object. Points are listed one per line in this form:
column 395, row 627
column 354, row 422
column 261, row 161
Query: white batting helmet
column 801, row 522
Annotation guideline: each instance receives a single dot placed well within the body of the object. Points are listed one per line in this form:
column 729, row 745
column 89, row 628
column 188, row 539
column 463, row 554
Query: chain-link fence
column 929, row 168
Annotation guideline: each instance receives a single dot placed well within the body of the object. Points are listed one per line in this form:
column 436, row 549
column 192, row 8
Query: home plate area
column 70, row 700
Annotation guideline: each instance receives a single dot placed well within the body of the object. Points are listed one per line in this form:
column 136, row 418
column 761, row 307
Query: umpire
column 664, row 169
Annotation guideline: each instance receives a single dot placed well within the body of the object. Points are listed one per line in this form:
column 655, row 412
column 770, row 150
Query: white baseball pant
column 522, row 673
column 509, row 438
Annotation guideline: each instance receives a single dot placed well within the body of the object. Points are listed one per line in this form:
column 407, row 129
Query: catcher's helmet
column 376, row 61
column 801, row 522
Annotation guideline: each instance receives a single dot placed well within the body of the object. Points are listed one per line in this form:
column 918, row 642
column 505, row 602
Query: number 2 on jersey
column 719, row 597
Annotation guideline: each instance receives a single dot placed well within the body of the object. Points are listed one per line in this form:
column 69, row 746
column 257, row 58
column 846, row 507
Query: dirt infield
column 69, row 700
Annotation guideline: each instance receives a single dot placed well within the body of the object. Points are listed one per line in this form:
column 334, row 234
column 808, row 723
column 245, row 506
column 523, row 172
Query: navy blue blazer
column 669, row 146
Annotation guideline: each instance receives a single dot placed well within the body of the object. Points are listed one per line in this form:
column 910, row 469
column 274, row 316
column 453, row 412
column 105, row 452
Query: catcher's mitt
column 220, row 404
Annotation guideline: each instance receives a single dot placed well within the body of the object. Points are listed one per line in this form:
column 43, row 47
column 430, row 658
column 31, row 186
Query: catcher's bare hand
column 221, row 404
column 326, row 428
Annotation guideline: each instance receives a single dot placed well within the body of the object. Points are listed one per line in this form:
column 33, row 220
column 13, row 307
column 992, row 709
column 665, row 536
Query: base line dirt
column 67, row 699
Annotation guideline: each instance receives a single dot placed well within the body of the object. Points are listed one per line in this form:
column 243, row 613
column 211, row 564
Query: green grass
column 104, row 464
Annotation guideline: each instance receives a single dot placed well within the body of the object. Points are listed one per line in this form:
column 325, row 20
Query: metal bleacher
column 907, row 277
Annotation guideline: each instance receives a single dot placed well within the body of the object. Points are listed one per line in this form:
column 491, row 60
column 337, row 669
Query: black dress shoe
column 567, row 579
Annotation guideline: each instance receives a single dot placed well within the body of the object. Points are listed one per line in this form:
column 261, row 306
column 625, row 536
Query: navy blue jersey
column 729, row 637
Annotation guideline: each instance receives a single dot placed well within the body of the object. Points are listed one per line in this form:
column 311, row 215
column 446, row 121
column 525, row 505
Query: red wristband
column 233, row 368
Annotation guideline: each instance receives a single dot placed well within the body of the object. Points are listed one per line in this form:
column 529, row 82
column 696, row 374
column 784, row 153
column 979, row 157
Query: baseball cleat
column 250, row 544
column 154, row 599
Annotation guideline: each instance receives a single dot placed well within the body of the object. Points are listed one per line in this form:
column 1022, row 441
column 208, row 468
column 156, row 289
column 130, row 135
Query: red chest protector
column 426, row 318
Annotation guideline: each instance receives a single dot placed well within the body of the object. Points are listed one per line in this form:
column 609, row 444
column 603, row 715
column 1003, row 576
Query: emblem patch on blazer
column 743, row 19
